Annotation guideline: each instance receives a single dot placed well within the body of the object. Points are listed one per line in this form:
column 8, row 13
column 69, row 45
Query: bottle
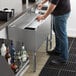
column 12, row 52
column 23, row 53
column 8, row 56
column 14, row 66
column 3, row 49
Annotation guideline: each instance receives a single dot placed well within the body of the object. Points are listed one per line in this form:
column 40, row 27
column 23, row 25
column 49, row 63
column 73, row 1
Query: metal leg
column 50, row 39
column 7, row 36
column 34, row 61
column 51, row 27
column 47, row 44
column 7, row 32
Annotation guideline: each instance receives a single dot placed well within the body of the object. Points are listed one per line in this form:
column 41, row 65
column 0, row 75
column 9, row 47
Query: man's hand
column 40, row 17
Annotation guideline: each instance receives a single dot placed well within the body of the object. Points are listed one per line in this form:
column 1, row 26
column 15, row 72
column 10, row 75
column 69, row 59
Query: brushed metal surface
column 32, row 33
column 32, row 38
column 23, row 20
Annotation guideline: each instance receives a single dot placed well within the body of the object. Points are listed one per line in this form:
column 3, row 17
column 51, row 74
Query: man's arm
column 43, row 1
column 40, row 5
column 49, row 10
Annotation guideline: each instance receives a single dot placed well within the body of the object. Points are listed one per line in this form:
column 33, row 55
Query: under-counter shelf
column 5, row 69
column 23, row 69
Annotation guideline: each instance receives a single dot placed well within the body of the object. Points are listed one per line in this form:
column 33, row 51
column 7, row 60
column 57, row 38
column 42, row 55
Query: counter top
column 3, row 24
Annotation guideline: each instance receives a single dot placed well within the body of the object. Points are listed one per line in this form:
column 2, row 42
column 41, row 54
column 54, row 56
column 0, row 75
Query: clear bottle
column 24, row 54
column 3, row 49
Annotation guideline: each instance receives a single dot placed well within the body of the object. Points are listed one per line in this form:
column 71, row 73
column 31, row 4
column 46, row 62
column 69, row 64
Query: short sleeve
column 54, row 1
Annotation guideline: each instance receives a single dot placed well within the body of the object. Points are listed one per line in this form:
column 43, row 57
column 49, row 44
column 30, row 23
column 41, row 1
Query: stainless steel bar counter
column 28, row 30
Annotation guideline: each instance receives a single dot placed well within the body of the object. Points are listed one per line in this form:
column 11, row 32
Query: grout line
column 61, row 69
column 71, row 44
column 59, row 72
column 71, row 62
column 74, row 48
column 72, row 54
column 68, row 70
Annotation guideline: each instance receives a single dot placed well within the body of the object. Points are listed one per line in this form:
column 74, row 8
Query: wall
column 72, row 20
column 16, row 4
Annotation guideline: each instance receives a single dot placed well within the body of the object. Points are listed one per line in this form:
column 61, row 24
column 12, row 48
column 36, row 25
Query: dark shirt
column 63, row 7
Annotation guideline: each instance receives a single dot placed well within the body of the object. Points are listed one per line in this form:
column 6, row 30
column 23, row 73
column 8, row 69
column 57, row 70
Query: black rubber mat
column 67, row 73
column 49, row 72
column 72, row 58
column 74, row 44
column 69, row 66
column 72, row 51
column 68, row 69
column 70, row 40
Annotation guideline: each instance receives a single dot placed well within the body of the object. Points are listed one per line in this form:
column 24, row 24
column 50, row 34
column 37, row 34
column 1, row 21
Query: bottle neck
column 23, row 48
column 3, row 46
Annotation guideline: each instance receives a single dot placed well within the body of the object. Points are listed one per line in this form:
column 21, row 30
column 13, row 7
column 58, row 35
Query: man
column 60, row 9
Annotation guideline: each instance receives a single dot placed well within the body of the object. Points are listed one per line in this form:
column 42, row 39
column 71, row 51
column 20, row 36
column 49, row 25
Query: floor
column 42, row 57
column 68, row 69
column 61, row 70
